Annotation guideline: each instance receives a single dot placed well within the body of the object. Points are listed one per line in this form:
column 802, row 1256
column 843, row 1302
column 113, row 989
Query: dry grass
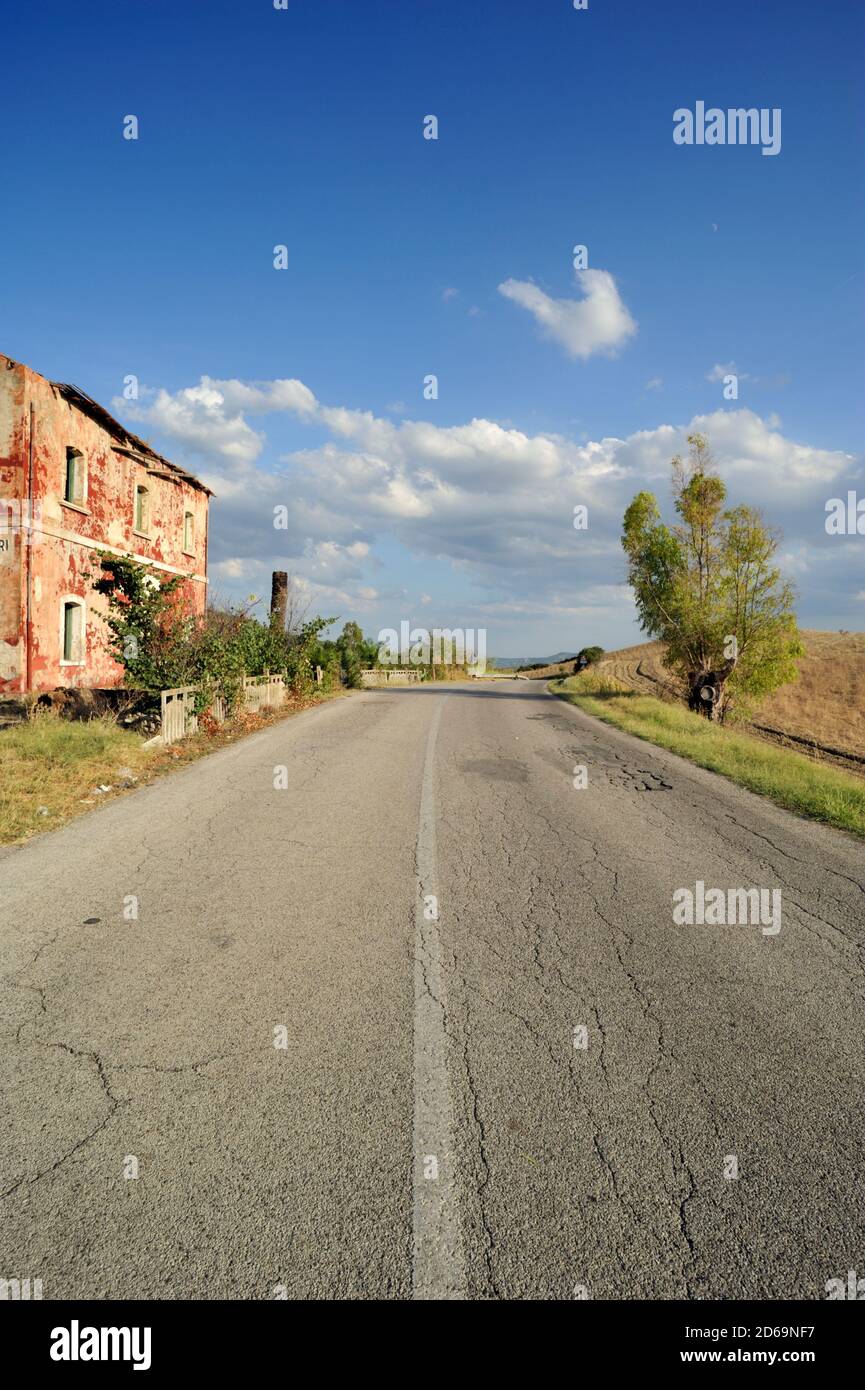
column 825, row 706
column 827, row 703
column 50, row 768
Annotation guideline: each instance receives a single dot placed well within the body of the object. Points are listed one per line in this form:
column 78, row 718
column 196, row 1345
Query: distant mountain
column 509, row 663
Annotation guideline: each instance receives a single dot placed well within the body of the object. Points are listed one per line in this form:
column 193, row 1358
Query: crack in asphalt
column 114, row 1102
column 544, row 925
column 636, row 1117
column 483, row 1181
column 104, row 1072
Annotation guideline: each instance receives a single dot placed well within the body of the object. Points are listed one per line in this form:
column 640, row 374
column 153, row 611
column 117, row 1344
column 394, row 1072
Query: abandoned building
column 74, row 481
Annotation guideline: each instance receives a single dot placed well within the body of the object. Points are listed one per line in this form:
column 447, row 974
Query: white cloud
column 235, row 567
column 331, row 562
column 722, row 369
column 262, row 397
column 599, row 323
column 208, row 419
column 655, row 384
column 491, row 503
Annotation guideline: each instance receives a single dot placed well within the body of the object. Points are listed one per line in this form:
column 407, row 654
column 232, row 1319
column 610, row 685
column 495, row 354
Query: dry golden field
column 824, row 709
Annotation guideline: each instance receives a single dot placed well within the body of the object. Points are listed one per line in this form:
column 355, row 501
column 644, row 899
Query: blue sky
column 303, row 127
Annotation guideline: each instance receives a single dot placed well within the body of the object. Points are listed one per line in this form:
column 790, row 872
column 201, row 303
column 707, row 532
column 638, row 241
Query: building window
column 75, row 486
column 72, row 632
column 188, row 532
column 142, row 509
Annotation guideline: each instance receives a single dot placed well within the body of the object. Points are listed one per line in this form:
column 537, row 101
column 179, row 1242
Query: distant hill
column 509, row 663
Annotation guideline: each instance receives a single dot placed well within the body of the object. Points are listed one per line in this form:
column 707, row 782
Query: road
column 420, row 1023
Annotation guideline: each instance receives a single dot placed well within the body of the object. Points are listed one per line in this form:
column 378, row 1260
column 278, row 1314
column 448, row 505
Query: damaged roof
column 132, row 441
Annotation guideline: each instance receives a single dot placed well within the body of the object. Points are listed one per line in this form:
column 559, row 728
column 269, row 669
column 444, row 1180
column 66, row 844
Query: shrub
column 160, row 645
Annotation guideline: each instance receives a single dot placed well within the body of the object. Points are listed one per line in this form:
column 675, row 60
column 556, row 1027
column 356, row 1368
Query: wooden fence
column 179, row 719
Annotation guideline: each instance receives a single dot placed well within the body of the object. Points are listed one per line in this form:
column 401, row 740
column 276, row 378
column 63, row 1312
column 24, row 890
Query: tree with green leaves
column 149, row 632
column 160, row 644
column 710, row 589
column 587, row 656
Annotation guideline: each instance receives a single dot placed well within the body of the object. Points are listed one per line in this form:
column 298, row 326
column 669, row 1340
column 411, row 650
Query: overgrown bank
column 53, row 769
column 789, row 779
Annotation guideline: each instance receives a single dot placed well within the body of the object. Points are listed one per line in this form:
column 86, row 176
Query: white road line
column 437, row 1252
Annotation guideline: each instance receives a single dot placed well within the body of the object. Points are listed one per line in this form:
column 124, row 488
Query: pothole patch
column 499, row 769
column 636, row 779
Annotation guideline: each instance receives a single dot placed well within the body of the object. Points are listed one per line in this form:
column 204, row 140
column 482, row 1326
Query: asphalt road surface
column 420, row 1023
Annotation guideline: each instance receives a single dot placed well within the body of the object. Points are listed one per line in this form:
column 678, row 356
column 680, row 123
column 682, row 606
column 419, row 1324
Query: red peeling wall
column 63, row 537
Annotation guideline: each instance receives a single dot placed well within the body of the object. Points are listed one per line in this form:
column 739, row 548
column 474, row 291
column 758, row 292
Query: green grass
column 50, row 767
column 800, row 784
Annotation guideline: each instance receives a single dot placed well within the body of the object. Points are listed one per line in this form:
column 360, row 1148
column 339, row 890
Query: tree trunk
column 278, row 598
column 706, row 691
column 702, row 693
